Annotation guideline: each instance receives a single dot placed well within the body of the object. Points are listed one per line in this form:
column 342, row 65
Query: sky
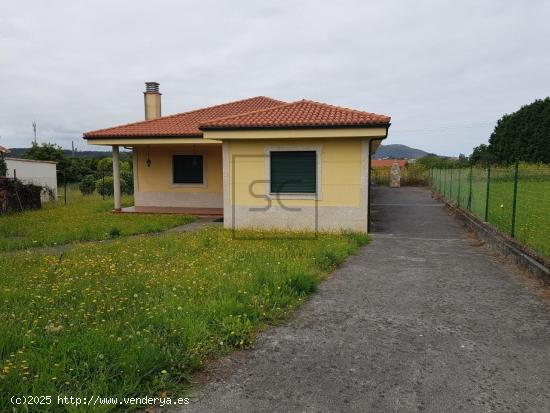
column 445, row 71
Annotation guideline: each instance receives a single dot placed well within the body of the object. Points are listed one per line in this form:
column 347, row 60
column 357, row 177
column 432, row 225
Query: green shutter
column 293, row 172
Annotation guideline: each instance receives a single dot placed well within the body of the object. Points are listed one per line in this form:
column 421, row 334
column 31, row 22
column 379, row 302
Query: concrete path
column 425, row 318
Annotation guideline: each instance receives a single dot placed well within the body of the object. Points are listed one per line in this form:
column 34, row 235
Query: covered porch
column 200, row 212
column 178, row 176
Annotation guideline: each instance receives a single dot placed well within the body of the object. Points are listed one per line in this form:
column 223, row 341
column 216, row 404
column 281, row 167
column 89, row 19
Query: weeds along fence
column 514, row 199
column 411, row 175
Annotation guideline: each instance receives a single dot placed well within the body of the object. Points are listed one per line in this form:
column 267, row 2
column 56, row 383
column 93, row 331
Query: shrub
column 15, row 196
column 3, row 167
column 114, row 232
column 87, row 185
column 104, row 186
column 126, row 182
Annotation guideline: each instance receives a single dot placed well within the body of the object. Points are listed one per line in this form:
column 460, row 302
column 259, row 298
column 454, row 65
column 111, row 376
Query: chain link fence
column 514, row 199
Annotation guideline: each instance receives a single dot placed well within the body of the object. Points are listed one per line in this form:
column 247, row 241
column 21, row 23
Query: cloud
column 445, row 71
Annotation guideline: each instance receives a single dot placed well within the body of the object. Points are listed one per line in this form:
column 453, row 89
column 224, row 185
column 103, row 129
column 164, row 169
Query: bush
column 15, row 196
column 126, row 182
column 114, row 232
column 3, row 167
column 104, row 186
column 87, row 185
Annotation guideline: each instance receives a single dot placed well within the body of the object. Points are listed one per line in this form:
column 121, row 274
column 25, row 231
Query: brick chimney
column 152, row 100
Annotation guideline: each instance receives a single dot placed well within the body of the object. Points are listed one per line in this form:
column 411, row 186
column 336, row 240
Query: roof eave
column 180, row 136
column 222, row 128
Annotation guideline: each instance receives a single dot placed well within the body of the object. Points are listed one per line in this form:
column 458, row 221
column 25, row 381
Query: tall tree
column 523, row 135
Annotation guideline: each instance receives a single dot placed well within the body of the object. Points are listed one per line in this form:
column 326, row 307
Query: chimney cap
column 151, row 87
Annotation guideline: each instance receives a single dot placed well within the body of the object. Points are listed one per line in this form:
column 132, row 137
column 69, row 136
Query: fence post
column 487, row 193
column 65, row 185
column 470, row 191
column 514, row 201
column 451, row 186
column 459, row 179
column 445, row 183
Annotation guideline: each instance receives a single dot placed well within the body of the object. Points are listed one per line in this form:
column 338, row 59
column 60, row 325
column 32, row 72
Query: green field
column 139, row 315
column 532, row 219
column 84, row 218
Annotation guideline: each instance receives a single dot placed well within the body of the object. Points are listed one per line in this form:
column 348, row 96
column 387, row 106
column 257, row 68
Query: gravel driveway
column 422, row 319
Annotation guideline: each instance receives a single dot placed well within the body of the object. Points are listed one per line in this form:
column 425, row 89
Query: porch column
column 116, row 177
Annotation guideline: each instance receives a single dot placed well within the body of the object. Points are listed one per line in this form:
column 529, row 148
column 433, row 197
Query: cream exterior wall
column 153, row 184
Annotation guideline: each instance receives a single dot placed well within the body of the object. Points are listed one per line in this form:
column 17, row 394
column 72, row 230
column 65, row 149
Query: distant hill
column 17, row 152
column 397, row 151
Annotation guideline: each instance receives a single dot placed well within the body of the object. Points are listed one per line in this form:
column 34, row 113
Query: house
column 30, row 171
column 387, row 163
column 259, row 162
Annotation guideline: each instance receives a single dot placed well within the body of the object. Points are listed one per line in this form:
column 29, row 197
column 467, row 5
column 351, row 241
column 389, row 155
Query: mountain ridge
column 398, row 151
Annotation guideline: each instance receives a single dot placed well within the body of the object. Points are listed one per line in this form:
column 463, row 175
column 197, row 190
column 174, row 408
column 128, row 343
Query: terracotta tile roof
column 303, row 113
column 387, row 163
column 185, row 124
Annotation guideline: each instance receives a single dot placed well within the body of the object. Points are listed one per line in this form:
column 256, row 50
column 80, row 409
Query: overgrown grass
column 137, row 317
column 84, row 218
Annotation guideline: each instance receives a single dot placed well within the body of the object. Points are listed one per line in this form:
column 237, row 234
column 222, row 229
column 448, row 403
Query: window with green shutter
column 187, row 169
column 293, row 172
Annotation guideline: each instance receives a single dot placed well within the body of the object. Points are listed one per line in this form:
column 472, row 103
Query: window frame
column 317, row 195
column 188, row 185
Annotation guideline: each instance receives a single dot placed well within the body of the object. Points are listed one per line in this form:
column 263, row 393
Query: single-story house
column 259, row 162
column 31, row 171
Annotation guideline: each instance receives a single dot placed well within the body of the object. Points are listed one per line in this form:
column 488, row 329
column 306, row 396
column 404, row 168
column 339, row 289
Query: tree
column 105, row 167
column 523, row 135
column 104, row 186
column 50, row 152
column 45, row 152
column 482, row 155
column 87, row 185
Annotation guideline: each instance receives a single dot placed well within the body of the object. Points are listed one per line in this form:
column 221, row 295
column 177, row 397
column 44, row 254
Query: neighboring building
column 387, row 163
column 259, row 162
column 41, row 173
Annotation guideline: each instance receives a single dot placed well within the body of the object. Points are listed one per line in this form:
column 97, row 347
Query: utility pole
column 34, row 130
column 72, row 146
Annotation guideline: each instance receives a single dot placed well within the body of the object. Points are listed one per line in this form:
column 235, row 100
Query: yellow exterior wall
column 339, row 166
column 158, row 177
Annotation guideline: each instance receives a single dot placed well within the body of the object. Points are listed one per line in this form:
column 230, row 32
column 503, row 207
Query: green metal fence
column 514, row 199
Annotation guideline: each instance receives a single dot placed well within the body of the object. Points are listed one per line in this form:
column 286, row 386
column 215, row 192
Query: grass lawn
column 532, row 207
column 138, row 316
column 84, row 218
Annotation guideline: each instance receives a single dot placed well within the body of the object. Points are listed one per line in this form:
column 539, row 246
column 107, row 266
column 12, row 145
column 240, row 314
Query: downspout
column 369, row 180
